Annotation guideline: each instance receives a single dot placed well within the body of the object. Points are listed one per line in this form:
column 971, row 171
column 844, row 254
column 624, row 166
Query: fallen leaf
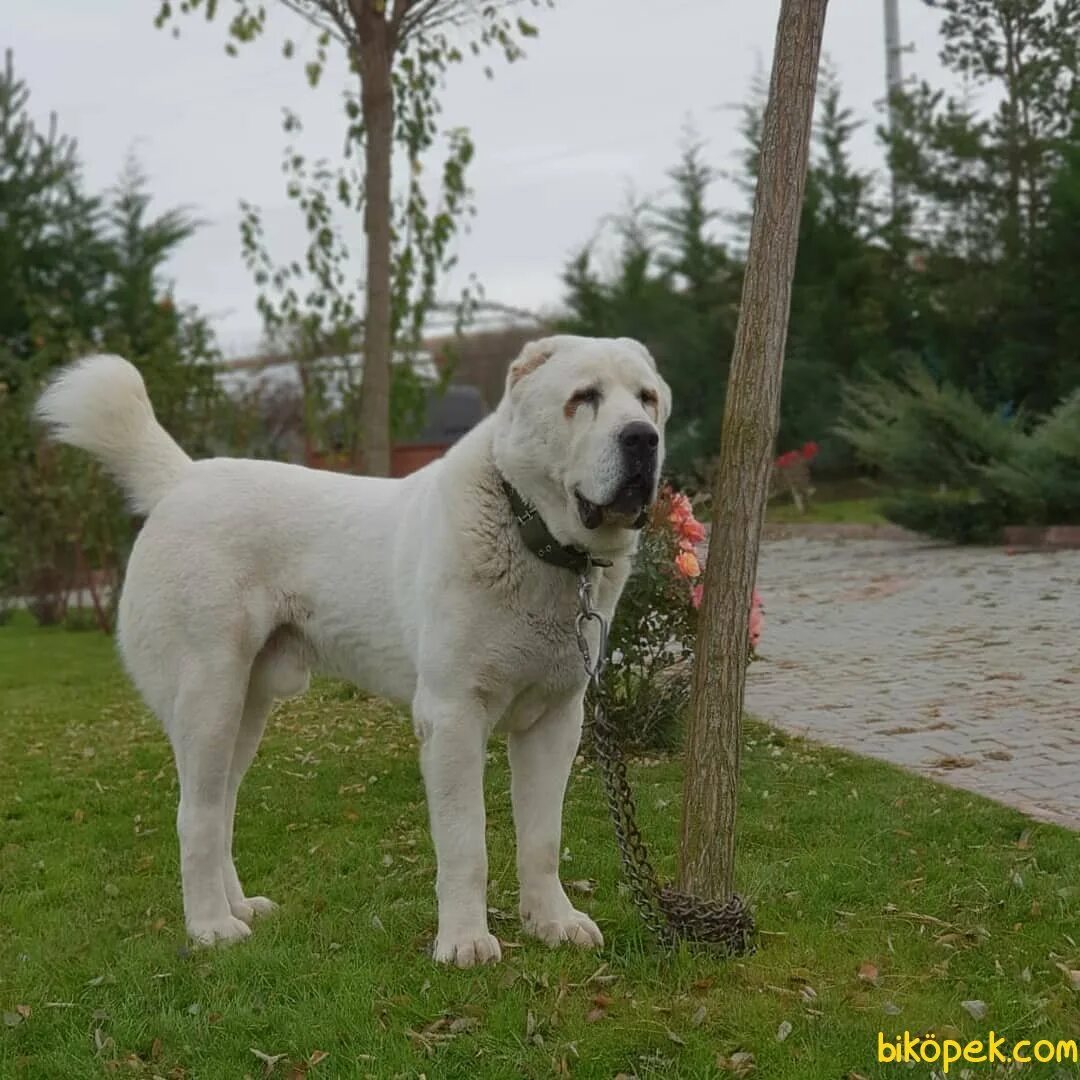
column 583, row 885
column 593, row 1015
column 741, row 1063
column 952, row 761
column 462, row 1023
column 602, row 1001
column 156, row 1049
column 677, row 1039
column 23, row 1011
column 890, row 1008
column 699, row 1017
column 868, row 973
column 784, row 1030
column 1073, row 975
column 975, row 1009
column 12, row 1019
column 317, row 1056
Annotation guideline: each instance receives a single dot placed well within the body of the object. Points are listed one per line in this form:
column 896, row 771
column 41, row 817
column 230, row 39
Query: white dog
column 452, row 590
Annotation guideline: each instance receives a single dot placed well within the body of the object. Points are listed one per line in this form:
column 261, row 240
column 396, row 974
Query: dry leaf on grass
column 976, row 1009
column 869, row 973
column 741, row 1063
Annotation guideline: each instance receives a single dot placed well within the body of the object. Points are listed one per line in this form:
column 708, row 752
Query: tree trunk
column 377, row 104
column 751, row 416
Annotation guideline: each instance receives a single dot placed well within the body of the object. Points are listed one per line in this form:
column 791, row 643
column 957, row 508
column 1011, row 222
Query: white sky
column 596, row 109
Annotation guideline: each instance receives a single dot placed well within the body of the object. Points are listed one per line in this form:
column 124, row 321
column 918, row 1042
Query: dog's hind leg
column 280, row 670
column 204, row 729
column 252, row 724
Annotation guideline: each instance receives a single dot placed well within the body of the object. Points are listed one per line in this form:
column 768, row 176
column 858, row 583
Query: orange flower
column 686, row 562
column 691, row 531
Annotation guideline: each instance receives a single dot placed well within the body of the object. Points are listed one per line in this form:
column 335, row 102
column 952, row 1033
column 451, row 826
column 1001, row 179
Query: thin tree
column 395, row 48
column 751, row 417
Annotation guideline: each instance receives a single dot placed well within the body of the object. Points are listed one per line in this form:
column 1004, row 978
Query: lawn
column 885, row 902
column 855, row 501
column 859, row 511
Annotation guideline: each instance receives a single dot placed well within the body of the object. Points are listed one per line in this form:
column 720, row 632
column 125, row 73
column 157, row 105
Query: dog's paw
column 467, row 951
column 219, row 932
column 252, row 907
column 575, row 927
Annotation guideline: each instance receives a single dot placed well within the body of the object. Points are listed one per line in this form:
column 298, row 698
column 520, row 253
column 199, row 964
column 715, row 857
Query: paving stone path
column 962, row 664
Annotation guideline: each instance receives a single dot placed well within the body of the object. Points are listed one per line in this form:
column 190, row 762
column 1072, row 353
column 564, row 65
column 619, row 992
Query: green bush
column 957, row 517
column 1041, row 479
column 964, row 472
column 918, row 432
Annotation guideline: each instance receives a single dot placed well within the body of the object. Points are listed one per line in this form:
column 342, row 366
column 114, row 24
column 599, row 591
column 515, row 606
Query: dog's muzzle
column 639, row 443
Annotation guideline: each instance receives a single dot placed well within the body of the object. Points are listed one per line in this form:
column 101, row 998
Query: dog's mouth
column 628, row 510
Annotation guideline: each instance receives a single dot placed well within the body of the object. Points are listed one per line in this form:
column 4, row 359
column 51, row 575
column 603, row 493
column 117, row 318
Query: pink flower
column 786, row 460
column 696, row 593
column 681, row 510
column 686, row 562
column 809, row 451
column 691, row 531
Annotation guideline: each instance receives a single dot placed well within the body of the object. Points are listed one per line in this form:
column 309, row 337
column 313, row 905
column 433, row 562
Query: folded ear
column 532, row 356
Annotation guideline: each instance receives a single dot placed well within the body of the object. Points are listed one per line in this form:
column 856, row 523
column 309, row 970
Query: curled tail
column 100, row 404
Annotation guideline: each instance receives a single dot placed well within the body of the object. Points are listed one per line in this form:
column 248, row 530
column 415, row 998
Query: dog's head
column 580, row 433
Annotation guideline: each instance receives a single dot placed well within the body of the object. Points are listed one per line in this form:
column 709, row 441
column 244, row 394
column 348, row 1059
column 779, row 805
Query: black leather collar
column 538, row 539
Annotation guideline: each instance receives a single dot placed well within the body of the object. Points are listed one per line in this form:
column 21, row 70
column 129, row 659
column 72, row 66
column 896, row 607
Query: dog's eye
column 648, row 397
column 589, row 396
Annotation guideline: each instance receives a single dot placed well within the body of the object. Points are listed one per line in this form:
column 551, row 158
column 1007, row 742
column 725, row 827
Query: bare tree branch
column 329, row 8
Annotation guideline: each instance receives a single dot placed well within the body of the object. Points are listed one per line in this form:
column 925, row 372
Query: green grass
column 850, row 863
column 862, row 511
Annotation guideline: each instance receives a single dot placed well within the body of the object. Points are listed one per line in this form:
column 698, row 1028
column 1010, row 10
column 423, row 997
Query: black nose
column 639, row 439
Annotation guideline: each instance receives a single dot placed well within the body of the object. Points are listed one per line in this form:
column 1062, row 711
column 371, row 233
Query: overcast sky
column 595, row 110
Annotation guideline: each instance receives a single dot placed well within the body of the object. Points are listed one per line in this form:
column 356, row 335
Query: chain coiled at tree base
column 668, row 913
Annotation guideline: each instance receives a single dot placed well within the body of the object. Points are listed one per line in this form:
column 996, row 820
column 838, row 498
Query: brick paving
column 961, row 664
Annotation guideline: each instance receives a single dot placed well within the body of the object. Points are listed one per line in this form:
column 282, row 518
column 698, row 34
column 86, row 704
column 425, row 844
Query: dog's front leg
column 453, row 737
column 540, row 760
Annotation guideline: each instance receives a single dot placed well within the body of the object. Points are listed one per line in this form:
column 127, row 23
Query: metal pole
column 894, row 76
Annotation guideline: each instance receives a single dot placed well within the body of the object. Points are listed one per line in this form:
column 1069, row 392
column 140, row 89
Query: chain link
column 668, row 913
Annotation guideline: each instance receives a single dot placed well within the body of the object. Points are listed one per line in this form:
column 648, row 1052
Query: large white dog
column 453, row 591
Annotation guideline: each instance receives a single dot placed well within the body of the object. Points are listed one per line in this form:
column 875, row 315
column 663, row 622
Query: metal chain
column 668, row 913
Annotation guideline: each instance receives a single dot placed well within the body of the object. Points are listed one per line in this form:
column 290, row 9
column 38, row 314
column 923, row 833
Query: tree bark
column 751, row 417
column 375, row 49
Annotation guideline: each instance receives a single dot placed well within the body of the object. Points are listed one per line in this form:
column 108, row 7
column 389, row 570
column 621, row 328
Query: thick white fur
column 249, row 574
